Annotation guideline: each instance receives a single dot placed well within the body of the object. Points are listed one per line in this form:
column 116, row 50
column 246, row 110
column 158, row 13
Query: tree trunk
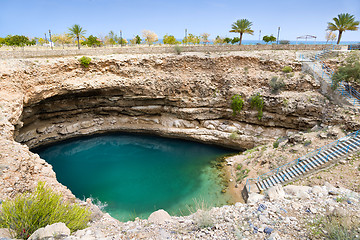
column 240, row 38
column 340, row 33
column 78, row 39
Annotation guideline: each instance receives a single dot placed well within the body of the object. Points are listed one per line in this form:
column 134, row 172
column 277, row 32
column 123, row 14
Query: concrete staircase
column 302, row 167
column 305, row 165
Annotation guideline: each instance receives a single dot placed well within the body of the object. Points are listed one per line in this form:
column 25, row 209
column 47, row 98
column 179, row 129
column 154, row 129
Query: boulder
column 298, row 191
column 254, row 198
column 57, row 229
column 276, row 193
column 159, row 216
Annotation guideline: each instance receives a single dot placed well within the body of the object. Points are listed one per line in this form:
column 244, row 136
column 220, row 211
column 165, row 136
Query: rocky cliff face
column 185, row 96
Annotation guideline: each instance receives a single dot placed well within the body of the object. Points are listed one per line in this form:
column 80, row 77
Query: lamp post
column 121, row 41
column 259, row 36
column 278, row 36
column 45, row 37
column 50, row 40
column 186, row 40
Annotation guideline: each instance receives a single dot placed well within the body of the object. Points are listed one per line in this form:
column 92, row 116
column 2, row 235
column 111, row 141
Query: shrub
column 349, row 71
column 276, row 84
column 29, row 212
column 276, row 144
column 256, row 101
column 234, row 136
column 237, row 104
column 287, row 69
column 284, row 42
column 85, row 61
column 178, row 49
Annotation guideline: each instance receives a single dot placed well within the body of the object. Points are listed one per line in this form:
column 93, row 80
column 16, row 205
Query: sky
column 295, row 18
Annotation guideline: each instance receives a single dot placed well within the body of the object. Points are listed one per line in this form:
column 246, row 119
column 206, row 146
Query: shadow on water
column 137, row 174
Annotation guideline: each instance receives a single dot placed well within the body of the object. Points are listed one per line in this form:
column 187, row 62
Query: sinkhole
column 136, row 174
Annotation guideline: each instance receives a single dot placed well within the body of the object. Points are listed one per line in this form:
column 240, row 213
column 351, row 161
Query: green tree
column 193, row 39
column 92, row 41
column 170, row 39
column 219, row 40
column 18, row 41
column 136, row 40
column 342, row 23
column 227, row 40
column 235, row 40
column 242, row 26
column 268, row 39
column 77, row 32
column 2, row 41
column 111, row 38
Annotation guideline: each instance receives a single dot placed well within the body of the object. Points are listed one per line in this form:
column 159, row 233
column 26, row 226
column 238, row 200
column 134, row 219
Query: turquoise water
column 138, row 174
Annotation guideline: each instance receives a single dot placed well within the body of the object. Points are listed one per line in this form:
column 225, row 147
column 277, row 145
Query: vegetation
column 61, row 39
column 349, row 71
column 242, row 26
column 237, row 104
column 268, row 39
column 136, row 40
column 219, row 40
column 334, row 228
column 234, row 136
column 227, row 40
column 77, row 32
column 18, row 41
column 178, row 49
column 284, row 42
column 256, row 101
column 330, row 36
column 29, row 212
column 241, row 174
column 235, row 40
column 287, row 69
column 205, row 38
column 85, row 61
column 344, row 22
column 170, row 39
column 191, row 38
column 149, row 36
column 276, row 84
column 92, row 41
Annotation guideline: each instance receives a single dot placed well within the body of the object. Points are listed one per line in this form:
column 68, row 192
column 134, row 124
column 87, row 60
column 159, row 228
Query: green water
column 138, row 174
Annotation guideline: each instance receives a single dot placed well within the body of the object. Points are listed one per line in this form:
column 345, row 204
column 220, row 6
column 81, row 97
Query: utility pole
column 121, row 41
column 259, row 36
column 278, row 35
column 50, row 40
column 186, row 40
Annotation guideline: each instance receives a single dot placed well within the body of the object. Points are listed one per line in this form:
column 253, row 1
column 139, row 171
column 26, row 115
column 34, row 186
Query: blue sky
column 295, row 18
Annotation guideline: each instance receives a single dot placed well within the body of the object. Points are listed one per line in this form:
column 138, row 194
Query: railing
column 326, row 73
column 303, row 158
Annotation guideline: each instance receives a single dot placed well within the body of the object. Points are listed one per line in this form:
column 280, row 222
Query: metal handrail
column 303, row 158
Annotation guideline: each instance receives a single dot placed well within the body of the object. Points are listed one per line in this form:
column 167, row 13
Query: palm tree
column 76, row 32
column 242, row 26
column 343, row 22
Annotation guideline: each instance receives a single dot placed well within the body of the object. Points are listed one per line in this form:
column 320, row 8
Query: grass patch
column 31, row 211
